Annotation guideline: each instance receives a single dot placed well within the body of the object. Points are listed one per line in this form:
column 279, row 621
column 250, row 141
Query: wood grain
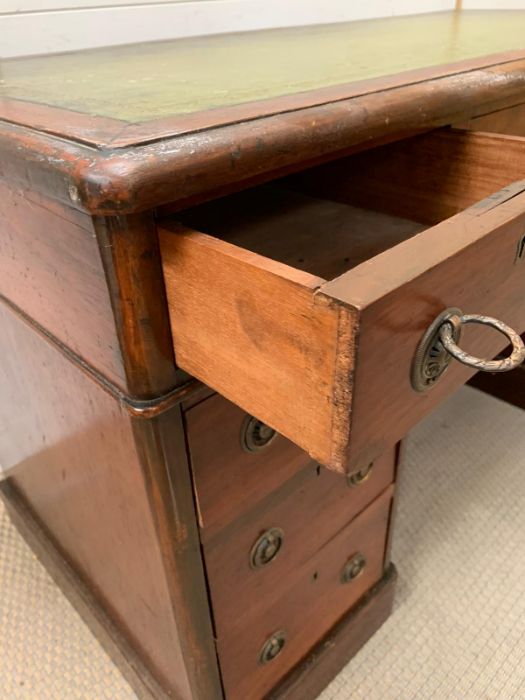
column 507, row 387
column 110, row 636
column 308, row 233
column 50, row 267
column 324, row 597
column 504, row 121
column 228, row 480
column 135, row 177
column 260, row 312
column 346, row 637
column 129, row 250
column 426, row 178
column 310, row 509
column 102, row 487
column 274, row 350
column 467, row 261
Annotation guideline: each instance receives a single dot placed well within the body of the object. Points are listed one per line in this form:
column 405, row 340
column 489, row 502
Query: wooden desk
column 218, row 258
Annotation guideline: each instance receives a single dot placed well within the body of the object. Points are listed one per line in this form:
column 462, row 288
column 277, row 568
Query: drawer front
column 328, row 363
column 303, row 605
column 234, row 465
column 247, row 560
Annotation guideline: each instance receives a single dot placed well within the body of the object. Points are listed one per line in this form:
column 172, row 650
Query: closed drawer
column 304, row 302
column 247, row 561
column 303, row 606
column 238, row 478
column 235, row 463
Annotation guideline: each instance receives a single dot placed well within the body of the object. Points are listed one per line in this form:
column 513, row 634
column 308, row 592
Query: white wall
column 46, row 26
column 494, row 4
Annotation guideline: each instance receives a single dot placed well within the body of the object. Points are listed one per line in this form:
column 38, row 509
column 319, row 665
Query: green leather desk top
column 149, row 81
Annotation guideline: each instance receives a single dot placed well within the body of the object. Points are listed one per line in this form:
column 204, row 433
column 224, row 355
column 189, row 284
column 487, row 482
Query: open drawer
column 305, row 301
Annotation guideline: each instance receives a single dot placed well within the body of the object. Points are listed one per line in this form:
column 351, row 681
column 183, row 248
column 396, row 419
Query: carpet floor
column 458, row 627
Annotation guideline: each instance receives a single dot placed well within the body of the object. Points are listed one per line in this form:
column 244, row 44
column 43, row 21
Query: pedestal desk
column 234, row 271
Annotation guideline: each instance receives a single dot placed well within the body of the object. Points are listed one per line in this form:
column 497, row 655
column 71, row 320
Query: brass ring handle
column 454, row 323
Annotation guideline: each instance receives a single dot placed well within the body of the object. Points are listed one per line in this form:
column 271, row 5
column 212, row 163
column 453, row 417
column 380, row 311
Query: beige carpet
column 458, row 630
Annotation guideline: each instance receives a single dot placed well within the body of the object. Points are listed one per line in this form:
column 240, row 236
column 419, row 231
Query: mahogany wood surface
column 507, row 387
column 113, row 639
column 130, row 253
column 401, row 291
column 228, row 480
column 308, row 233
column 310, row 509
column 101, row 482
column 50, row 267
column 182, row 168
column 426, row 178
column 282, row 344
column 308, row 603
column 234, row 485
column 332, row 652
column 302, row 302
column 271, row 342
column 505, row 121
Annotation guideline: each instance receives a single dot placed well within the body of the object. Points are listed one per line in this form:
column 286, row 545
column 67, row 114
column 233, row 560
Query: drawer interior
column 310, row 233
column 304, row 301
column 332, row 218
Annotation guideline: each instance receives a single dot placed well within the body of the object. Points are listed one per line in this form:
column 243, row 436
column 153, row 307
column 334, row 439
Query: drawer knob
column 266, row 548
column 272, row 647
column 360, row 476
column 440, row 345
column 256, row 435
column 353, row 568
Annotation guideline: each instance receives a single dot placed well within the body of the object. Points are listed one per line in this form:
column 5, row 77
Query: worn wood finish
column 114, row 497
column 157, row 89
column 138, row 177
column 505, row 121
column 50, row 267
column 350, row 235
column 400, row 292
column 259, row 313
column 109, row 634
column 508, row 387
column 97, row 458
column 130, row 253
column 310, row 509
column 314, row 586
column 426, row 178
column 56, row 271
column 161, row 447
column 271, row 341
column 346, row 637
column 228, row 480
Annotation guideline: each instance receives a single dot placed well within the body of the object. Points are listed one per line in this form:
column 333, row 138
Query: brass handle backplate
column 272, row 647
column 353, row 568
column 266, row 548
column 256, row 435
column 440, row 345
column 357, row 478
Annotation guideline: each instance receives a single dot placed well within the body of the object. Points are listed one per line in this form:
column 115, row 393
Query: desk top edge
column 109, row 167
